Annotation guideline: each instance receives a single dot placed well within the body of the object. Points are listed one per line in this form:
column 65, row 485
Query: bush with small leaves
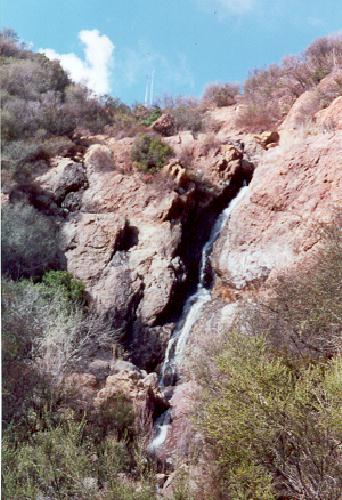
column 72, row 288
column 152, row 116
column 269, row 93
column 221, row 94
column 40, row 336
column 271, row 392
column 29, row 241
column 187, row 114
column 149, row 153
column 62, row 461
column 274, row 430
column 45, row 335
column 302, row 315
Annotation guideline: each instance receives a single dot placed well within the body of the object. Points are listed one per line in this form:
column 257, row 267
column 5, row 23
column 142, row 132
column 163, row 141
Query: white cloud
column 95, row 69
column 235, row 7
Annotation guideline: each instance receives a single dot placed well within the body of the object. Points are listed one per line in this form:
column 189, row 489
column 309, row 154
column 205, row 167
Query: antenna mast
column 147, row 90
column 152, row 88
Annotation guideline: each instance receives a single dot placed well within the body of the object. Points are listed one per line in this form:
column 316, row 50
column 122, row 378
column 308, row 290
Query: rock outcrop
column 107, row 381
column 126, row 234
column 295, row 187
column 134, row 239
column 164, row 125
column 123, row 244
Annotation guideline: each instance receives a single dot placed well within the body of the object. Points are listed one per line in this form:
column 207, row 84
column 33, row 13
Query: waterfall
column 191, row 312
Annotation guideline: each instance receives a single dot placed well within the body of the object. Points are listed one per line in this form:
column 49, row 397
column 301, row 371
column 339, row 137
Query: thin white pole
column 147, row 91
column 152, row 88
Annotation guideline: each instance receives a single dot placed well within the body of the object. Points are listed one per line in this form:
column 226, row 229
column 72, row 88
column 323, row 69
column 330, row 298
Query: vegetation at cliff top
column 221, row 94
column 268, row 94
column 44, row 114
column 149, row 153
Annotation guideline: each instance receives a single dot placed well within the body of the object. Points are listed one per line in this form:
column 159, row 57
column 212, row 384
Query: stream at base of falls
column 176, row 348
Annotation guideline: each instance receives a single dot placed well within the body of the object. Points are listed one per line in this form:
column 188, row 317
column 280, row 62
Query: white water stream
column 190, row 314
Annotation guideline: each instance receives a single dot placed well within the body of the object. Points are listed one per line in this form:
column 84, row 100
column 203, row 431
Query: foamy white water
column 193, row 306
column 191, row 313
column 162, row 425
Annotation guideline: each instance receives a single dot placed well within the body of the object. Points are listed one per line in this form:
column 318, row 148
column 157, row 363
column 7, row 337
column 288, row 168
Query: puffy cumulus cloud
column 236, row 7
column 94, row 70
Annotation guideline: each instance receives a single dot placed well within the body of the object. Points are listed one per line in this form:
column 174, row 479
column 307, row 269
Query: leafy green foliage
column 72, row 288
column 274, row 430
column 150, row 153
column 62, row 461
column 152, row 116
column 29, row 241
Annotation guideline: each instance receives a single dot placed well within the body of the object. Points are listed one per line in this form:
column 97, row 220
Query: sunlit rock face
column 133, row 240
column 296, row 186
column 132, row 237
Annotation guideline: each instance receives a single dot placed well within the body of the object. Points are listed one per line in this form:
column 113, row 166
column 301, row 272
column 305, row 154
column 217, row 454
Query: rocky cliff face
column 135, row 240
column 295, row 187
column 132, row 239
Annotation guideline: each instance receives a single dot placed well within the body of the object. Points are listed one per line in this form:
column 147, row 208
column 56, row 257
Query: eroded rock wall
column 296, row 186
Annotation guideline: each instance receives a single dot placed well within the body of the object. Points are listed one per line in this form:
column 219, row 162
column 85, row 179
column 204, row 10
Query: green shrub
column 274, row 430
column 271, row 401
column 150, row 153
column 114, row 417
column 72, row 288
column 152, row 116
column 62, row 461
column 29, row 241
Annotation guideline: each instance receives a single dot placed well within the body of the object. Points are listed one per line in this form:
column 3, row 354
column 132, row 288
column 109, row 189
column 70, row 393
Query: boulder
column 142, row 392
column 66, row 176
column 164, row 125
column 330, row 118
column 177, row 172
column 98, row 158
column 268, row 138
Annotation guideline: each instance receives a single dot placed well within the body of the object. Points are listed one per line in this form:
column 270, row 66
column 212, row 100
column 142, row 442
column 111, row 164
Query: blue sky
column 189, row 43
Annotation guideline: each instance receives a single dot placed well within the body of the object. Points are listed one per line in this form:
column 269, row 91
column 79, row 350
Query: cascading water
column 191, row 312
